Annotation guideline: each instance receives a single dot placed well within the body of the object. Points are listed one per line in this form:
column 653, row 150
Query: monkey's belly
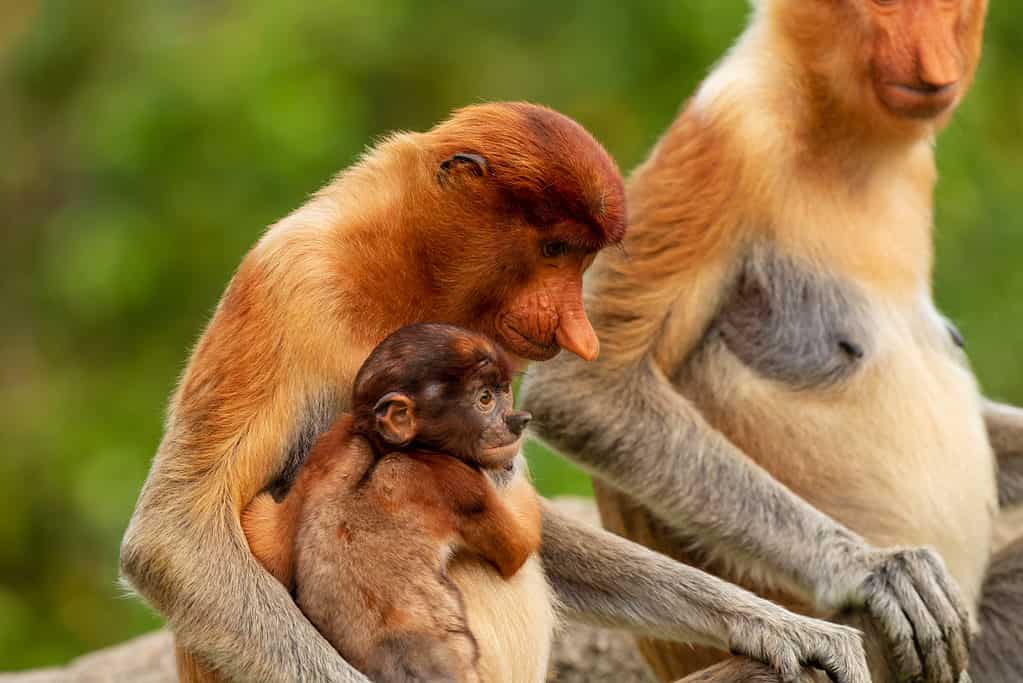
column 513, row 621
column 898, row 452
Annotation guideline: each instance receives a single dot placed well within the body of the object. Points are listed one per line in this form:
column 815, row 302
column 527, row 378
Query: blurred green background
column 145, row 145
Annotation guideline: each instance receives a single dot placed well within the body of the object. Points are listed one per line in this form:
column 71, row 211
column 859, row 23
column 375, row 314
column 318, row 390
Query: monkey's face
column 483, row 427
column 902, row 63
column 923, row 53
column 472, row 417
column 546, row 312
column 528, row 197
column 443, row 388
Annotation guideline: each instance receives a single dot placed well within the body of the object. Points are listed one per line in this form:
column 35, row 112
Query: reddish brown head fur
column 500, row 211
column 545, row 168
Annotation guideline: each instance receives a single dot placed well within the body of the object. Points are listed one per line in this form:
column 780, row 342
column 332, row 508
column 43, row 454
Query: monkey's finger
column 850, row 669
column 829, row 665
column 895, row 626
column 930, row 641
column 929, row 577
column 788, row 667
column 835, row 674
column 958, row 604
column 843, row 660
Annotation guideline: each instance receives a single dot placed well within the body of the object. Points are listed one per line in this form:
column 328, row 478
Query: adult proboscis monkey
column 777, row 399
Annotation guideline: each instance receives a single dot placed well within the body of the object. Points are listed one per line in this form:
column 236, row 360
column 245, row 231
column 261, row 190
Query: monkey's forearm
column 645, row 439
column 603, row 579
column 606, row 580
column 220, row 603
column 1005, row 430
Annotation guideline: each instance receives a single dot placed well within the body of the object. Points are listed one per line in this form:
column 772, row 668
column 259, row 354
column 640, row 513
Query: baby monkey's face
column 440, row 388
column 473, row 419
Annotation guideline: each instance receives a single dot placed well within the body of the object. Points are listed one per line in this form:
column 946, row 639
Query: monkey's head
column 905, row 64
column 442, row 388
column 520, row 200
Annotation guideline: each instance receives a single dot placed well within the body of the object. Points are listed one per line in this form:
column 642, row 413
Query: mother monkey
column 778, row 400
column 486, row 221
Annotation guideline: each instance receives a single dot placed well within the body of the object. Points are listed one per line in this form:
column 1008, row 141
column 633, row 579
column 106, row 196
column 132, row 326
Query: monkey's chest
column 790, row 325
column 864, row 406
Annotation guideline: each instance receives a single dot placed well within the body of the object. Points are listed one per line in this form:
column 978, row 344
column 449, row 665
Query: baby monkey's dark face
column 440, row 388
column 473, row 418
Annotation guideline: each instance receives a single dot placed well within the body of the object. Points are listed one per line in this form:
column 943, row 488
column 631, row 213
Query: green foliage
column 147, row 145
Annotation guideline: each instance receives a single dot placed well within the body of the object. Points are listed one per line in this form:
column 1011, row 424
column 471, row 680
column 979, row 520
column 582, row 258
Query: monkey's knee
column 997, row 652
column 740, row 669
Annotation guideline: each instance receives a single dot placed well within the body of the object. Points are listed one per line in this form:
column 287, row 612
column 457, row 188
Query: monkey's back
column 371, row 555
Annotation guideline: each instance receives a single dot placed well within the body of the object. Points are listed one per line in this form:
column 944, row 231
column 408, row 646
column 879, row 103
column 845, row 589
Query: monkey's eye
column 554, row 249
column 485, row 400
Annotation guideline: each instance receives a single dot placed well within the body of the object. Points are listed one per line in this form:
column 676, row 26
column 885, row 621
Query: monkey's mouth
column 501, row 455
column 917, row 101
column 526, row 346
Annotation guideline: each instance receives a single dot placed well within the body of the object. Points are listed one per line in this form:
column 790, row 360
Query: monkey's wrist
column 846, row 564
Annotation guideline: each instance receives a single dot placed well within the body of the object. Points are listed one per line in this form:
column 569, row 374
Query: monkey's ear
column 463, row 162
column 396, row 419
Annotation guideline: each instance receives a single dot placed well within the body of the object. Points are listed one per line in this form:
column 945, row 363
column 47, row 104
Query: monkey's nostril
column 517, row 421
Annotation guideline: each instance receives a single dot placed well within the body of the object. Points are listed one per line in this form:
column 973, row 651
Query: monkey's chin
column 915, row 103
column 498, row 456
column 523, row 346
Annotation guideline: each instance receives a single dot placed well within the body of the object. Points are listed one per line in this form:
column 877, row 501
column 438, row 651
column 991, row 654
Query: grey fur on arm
column 164, row 562
column 631, row 428
column 634, row 431
column 605, row 580
column 1005, row 430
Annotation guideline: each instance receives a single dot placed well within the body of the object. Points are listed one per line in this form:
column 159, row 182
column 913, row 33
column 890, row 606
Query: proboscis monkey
column 390, row 492
column 486, row 221
column 778, row 400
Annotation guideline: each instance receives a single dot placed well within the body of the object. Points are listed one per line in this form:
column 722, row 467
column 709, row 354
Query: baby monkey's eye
column 485, row 400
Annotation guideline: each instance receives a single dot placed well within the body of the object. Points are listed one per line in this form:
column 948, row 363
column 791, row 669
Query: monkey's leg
column 997, row 654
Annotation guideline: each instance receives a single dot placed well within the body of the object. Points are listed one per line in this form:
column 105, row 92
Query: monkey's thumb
column 575, row 333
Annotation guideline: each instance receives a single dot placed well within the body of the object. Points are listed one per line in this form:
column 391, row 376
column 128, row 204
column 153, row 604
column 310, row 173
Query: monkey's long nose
column 575, row 334
column 517, row 421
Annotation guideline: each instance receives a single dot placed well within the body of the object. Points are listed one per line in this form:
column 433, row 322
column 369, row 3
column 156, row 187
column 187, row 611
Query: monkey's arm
column 237, row 414
column 220, row 603
column 1005, row 430
column 608, row 581
column 624, row 422
column 507, row 530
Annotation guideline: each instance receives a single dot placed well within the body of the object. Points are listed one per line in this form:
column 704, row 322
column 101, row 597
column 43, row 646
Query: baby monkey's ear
column 396, row 418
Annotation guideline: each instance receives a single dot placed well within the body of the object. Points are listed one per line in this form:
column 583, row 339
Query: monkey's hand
column 789, row 642
column 603, row 579
column 916, row 604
